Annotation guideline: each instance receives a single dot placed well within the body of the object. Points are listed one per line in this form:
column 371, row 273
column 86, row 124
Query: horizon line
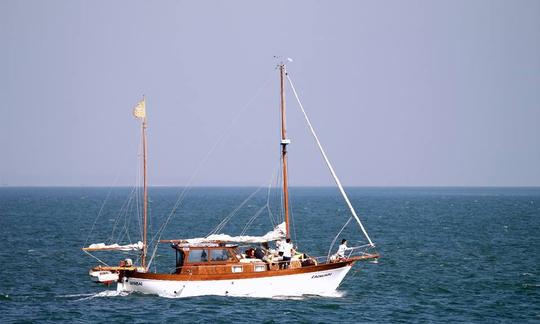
column 254, row 186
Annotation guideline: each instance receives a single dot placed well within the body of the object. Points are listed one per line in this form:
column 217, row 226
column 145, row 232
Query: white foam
column 75, row 295
column 289, row 297
column 334, row 294
column 106, row 293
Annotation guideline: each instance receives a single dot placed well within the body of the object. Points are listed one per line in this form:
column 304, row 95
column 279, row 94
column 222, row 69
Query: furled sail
column 278, row 233
column 114, row 247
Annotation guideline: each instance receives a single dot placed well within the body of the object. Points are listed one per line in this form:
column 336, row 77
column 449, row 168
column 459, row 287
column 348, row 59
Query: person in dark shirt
column 250, row 253
column 261, row 252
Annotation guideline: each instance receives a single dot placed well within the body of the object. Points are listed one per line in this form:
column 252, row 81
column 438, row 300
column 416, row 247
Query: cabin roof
column 180, row 246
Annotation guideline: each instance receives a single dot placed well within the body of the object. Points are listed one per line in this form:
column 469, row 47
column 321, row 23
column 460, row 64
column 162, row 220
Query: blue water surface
column 447, row 254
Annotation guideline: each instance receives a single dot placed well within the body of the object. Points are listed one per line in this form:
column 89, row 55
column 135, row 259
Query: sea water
column 447, row 254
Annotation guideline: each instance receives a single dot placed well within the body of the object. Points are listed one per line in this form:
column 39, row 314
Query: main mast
column 284, row 142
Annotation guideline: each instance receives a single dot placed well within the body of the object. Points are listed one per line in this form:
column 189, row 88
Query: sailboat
column 216, row 264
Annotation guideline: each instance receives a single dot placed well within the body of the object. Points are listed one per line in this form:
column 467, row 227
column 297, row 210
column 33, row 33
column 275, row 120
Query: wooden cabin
column 214, row 258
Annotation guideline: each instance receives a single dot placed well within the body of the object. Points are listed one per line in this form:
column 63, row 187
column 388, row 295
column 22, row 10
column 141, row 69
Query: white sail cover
column 276, row 234
column 128, row 247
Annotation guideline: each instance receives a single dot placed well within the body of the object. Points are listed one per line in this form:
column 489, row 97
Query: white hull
column 313, row 283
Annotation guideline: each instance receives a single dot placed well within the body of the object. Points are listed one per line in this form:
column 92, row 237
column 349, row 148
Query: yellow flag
column 140, row 110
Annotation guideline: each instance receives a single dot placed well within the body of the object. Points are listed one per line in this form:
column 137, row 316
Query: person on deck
column 250, row 253
column 262, row 252
column 341, row 250
column 204, row 256
column 286, row 252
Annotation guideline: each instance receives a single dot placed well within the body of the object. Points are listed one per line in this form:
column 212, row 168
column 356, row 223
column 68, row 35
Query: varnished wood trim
column 248, row 275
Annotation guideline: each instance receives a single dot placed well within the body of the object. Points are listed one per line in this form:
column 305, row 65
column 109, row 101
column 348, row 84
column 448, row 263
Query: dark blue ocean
column 447, row 255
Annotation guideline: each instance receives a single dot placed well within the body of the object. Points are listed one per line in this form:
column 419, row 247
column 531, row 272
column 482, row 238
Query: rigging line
column 282, row 195
column 120, row 213
column 95, row 257
column 125, row 228
column 127, row 220
column 138, row 214
column 121, row 233
column 279, row 195
column 293, row 221
column 127, row 231
column 270, row 214
column 270, row 198
column 266, row 206
column 252, row 219
column 349, row 278
column 138, row 181
column 268, row 193
column 334, row 175
column 205, row 158
column 124, row 216
column 226, row 220
column 139, row 194
column 335, row 238
column 275, row 194
column 101, row 208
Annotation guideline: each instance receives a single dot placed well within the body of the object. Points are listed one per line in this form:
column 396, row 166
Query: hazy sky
column 407, row 93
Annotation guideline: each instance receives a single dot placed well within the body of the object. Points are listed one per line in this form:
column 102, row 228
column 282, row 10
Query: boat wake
column 75, row 295
column 333, row 294
column 106, row 293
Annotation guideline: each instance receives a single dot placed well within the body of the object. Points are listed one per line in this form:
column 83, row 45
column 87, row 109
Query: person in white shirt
column 285, row 252
column 342, row 248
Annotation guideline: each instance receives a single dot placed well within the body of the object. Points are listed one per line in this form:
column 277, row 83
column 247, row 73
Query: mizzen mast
column 284, row 142
column 145, row 194
column 140, row 113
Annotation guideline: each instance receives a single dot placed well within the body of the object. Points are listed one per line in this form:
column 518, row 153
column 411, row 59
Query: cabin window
column 259, row 268
column 196, row 256
column 221, row 255
column 237, row 269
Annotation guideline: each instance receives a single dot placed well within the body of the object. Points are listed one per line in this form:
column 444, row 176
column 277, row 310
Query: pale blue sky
column 402, row 93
